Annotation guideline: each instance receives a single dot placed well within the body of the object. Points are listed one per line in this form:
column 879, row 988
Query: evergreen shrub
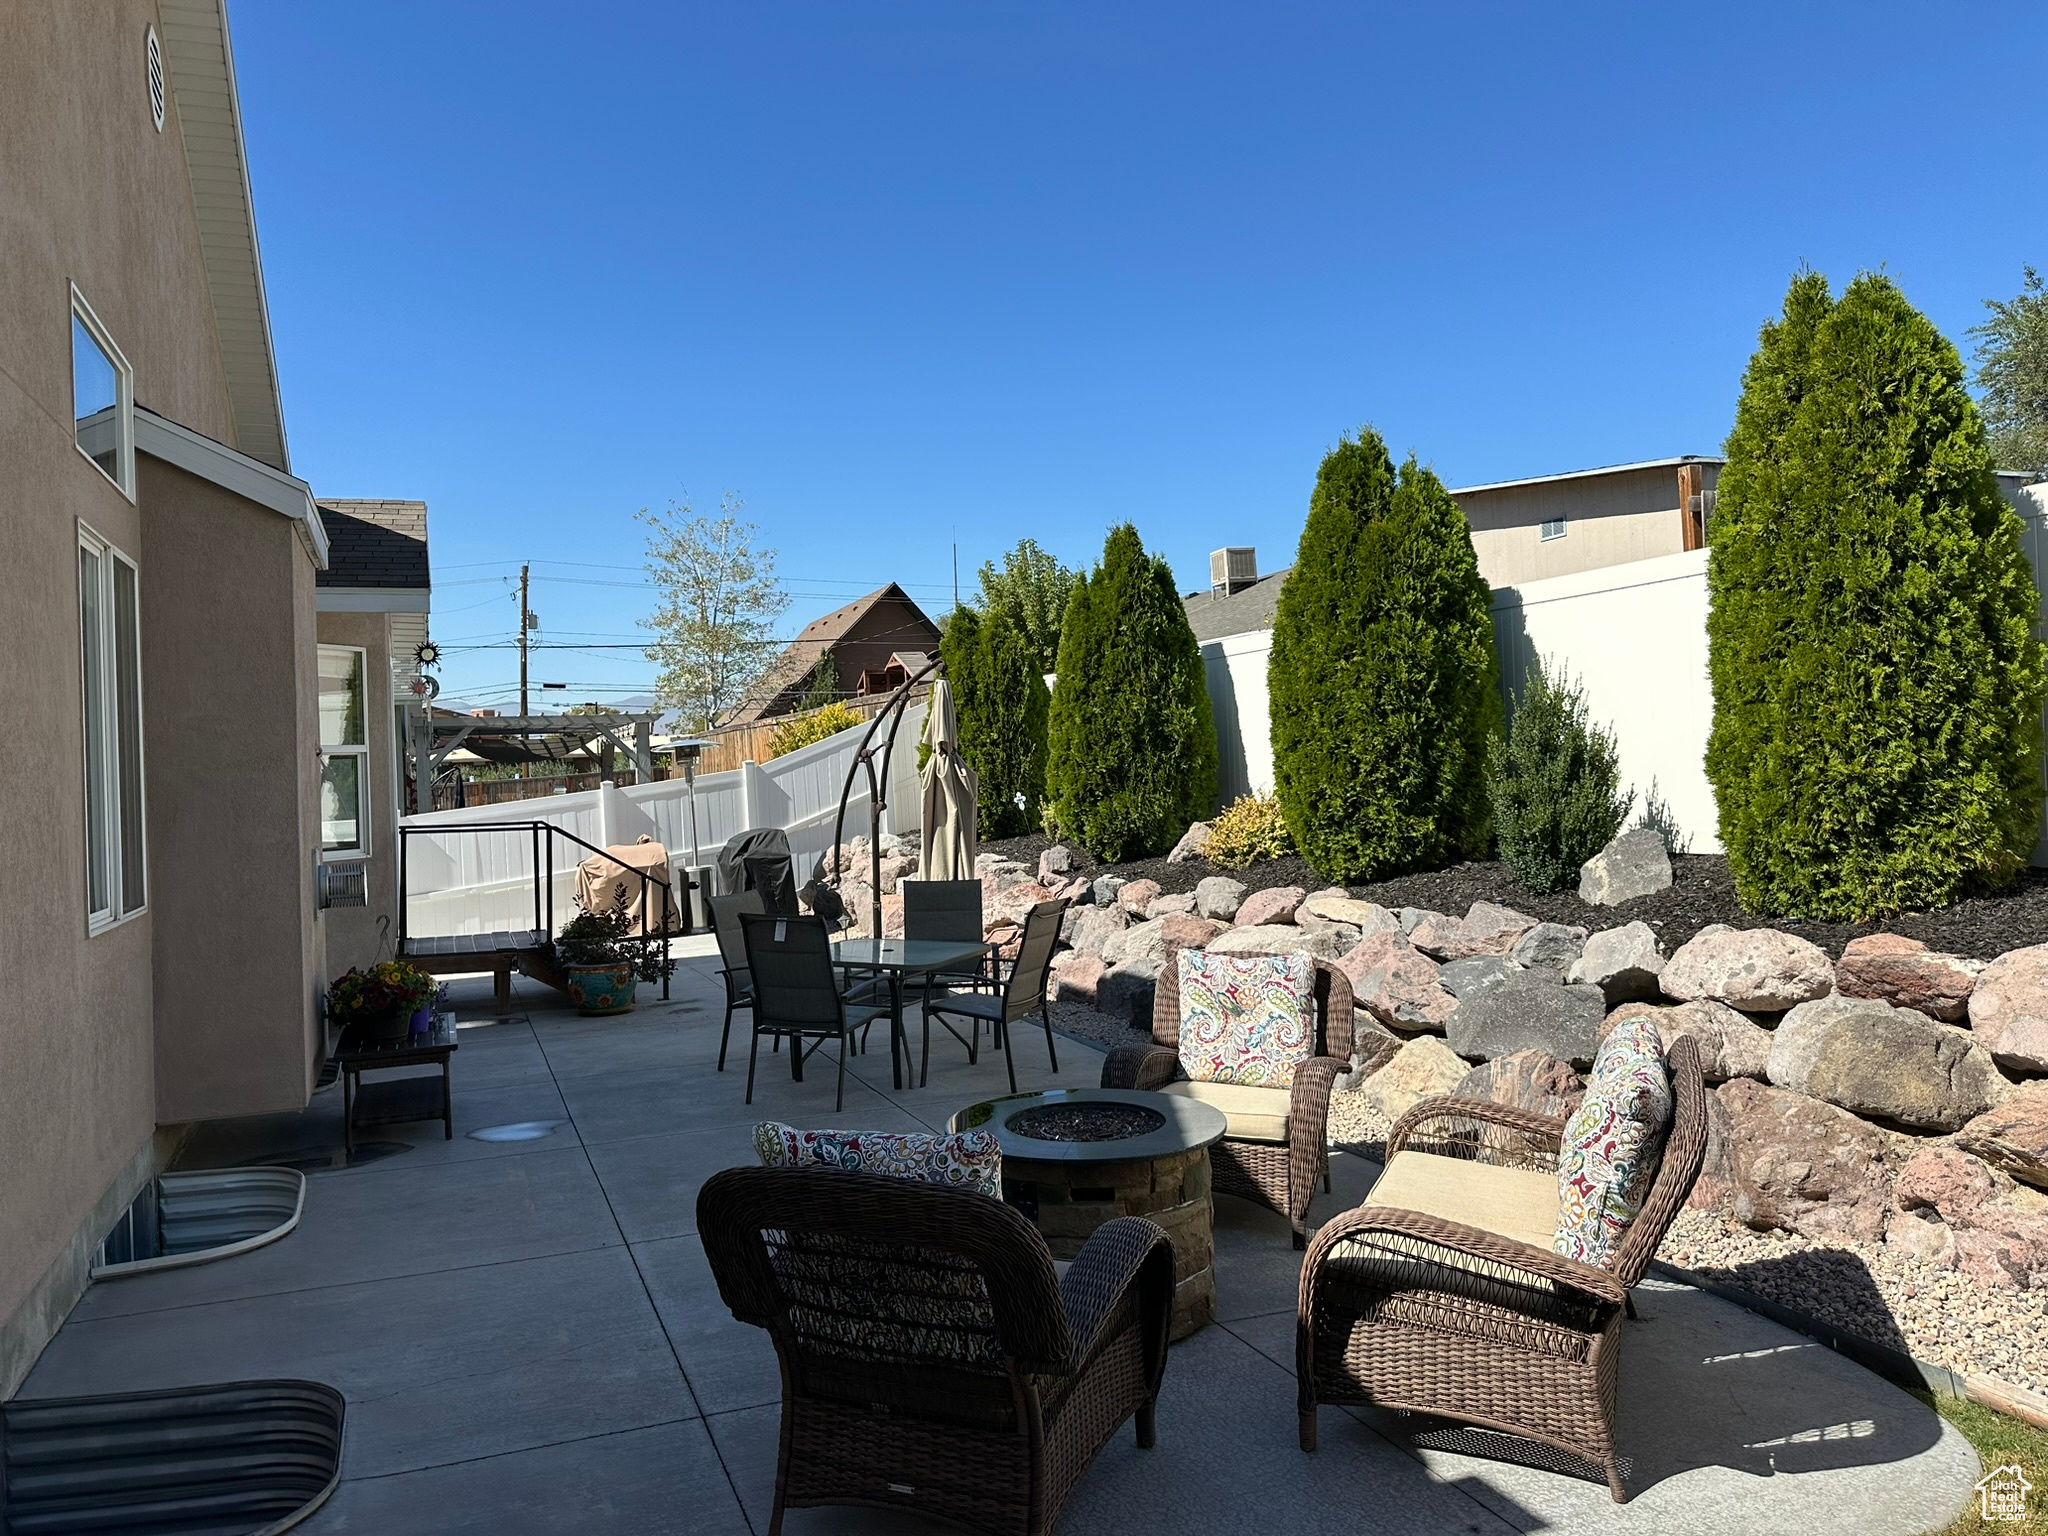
column 1382, row 674
column 1132, row 757
column 801, row 730
column 1000, row 698
column 1247, row 830
column 1877, row 680
column 1554, row 785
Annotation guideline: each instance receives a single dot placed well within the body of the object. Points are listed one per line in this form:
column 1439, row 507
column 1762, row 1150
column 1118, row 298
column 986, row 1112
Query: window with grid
column 110, row 670
column 344, row 755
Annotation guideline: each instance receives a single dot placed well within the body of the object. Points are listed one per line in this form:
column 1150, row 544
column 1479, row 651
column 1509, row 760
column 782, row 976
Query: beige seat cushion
column 1514, row 1202
column 1249, row 1113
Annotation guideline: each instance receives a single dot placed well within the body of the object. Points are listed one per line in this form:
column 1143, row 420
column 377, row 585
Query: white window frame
column 361, row 753
column 114, row 911
column 1550, row 528
column 124, row 395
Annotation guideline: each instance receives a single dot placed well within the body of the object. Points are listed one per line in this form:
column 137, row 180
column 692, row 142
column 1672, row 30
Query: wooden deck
column 460, row 954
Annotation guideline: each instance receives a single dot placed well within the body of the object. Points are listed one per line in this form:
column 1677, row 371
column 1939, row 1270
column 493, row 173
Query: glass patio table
column 898, row 958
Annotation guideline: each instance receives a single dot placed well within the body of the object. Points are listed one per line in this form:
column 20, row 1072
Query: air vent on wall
column 340, row 885
column 154, row 52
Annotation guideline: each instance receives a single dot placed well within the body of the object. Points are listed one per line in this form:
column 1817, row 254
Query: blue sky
column 905, row 274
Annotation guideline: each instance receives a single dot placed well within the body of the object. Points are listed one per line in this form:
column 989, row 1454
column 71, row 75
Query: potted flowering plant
column 601, row 962
column 386, row 1001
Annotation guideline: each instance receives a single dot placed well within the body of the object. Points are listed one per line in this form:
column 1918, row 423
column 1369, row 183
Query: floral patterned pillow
column 1247, row 1019
column 1611, row 1146
column 971, row 1160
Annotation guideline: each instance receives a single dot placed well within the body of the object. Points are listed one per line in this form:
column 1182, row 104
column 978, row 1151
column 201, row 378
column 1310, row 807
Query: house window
column 110, row 668
column 102, row 397
column 1553, row 529
column 344, row 755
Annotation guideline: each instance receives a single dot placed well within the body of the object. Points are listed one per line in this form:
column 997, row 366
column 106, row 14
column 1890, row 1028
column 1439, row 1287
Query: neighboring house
column 1555, row 525
column 374, row 598
column 875, row 642
column 158, row 929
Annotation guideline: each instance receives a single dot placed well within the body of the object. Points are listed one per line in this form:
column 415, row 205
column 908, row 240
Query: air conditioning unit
column 340, row 885
column 1232, row 570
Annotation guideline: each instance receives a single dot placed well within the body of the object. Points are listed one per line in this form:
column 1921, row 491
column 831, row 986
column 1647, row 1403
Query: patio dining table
column 896, row 959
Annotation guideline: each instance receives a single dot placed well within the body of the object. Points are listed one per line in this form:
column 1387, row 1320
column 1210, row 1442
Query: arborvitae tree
column 1553, row 781
column 1382, row 674
column 1002, row 703
column 1133, row 749
column 1877, row 680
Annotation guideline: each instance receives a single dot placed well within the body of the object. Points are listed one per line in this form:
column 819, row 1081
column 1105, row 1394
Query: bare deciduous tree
column 715, row 621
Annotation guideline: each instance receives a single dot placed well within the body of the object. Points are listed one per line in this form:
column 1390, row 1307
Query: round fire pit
column 1074, row 1159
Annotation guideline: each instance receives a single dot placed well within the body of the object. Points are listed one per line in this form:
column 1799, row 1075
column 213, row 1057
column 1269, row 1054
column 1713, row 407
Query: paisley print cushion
column 1612, row 1145
column 971, row 1160
column 1247, row 1019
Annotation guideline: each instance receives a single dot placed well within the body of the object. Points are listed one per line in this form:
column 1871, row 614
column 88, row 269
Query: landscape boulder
column 1891, row 1063
column 1421, row 1069
column 1549, row 947
column 1462, row 978
column 1907, row 974
column 1219, row 897
column 1486, row 929
column 1075, row 976
column 1412, row 918
column 1013, row 902
column 1624, row 963
column 1278, row 939
column 1136, row 896
column 1334, row 906
column 1397, row 985
column 1191, row 845
column 1125, row 991
column 1262, row 908
column 1758, row 970
column 1730, row 1044
column 1171, row 906
column 1056, row 861
column 1958, row 1211
column 1094, row 927
column 1532, row 1080
column 1526, row 1012
column 2009, row 1009
column 1785, row 1161
column 2013, row 1135
column 1105, row 887
column 1635, row 864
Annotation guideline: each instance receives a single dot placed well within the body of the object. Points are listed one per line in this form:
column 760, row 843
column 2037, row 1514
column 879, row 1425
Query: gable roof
column 801, row 657
column 376, row 544
column 1213, row 617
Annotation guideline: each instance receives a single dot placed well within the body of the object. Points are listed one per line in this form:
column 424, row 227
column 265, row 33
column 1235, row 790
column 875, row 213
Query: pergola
column 529, row 739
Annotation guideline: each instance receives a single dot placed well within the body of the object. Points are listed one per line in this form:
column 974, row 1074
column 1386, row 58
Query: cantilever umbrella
column 948, row 798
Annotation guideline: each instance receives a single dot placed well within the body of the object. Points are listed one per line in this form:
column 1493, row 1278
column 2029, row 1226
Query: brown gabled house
column 875, row 642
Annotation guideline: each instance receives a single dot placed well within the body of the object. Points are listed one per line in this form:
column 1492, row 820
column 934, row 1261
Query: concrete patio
column 530, row 1341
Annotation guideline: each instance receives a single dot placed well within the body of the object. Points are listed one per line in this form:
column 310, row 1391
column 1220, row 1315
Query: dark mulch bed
column 1702, row 892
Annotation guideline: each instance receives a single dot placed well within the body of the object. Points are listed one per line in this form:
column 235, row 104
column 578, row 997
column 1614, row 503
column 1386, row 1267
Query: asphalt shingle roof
column 375, row 544
column 1246, row 609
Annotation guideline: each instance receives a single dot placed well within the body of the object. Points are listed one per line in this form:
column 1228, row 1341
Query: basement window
column 1553, row 529
column 102, row 397
column 344, row 755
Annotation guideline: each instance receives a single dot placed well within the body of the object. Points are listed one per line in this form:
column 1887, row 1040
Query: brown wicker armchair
column 1276, row 1149
column 1418, row 1310
column 945, row 1368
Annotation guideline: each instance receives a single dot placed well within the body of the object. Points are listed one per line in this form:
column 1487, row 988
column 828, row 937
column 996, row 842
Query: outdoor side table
column 398, row 1101
column 1075, row 1159
column 897, row 958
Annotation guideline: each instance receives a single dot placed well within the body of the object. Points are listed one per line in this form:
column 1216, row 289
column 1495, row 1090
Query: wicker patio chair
column 797, row 993
column 943, row 1367
column 1276, row 1148
column 1428, row 1313
column 732, row 956
column 1023, row 994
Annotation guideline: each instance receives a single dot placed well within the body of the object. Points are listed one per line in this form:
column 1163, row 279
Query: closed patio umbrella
column 948, row 795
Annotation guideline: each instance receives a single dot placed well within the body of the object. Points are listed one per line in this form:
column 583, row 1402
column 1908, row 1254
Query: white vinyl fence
column 1634, row 636
column 483, row 881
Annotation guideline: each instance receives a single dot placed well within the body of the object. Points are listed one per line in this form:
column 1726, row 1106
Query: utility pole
column 525, row 623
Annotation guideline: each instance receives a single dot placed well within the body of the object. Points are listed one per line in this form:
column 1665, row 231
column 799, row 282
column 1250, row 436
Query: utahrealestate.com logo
column 2003, row 1492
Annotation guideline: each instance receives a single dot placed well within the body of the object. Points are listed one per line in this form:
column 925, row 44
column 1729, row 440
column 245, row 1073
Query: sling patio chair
column 732, row 956
column 1023, row 994
column 931, row 1358
column 797, row 994
column 949, row 910
column 1276, row 1149
column 1446, row 1295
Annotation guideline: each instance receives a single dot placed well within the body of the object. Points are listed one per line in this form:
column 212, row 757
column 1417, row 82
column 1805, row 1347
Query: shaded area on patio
column 528, row 1335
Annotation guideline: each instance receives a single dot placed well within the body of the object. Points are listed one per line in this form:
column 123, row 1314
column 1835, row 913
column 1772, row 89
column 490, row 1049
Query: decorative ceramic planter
column 602, row 988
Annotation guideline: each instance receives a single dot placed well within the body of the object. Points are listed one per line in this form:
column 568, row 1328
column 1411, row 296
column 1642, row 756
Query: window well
column 194, row 1218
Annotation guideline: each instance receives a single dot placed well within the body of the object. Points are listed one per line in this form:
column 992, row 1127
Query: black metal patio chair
column 797, row 994
column 732, row 956
column 1023, row 993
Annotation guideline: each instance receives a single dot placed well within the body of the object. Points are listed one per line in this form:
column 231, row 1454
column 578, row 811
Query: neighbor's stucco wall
column 1609, row 520
column 354, row 936
column 93, row 194
column 229, row 675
